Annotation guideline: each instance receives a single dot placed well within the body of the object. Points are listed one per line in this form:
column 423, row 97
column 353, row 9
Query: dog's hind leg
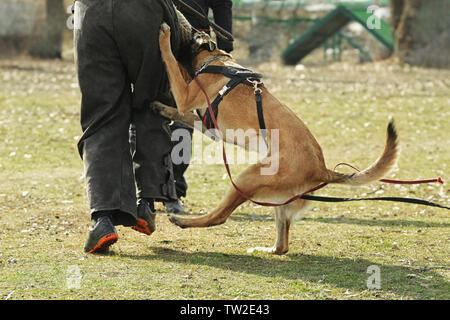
column 218, row 216
column 282, row 242
column 284, row 216
column 249, row 182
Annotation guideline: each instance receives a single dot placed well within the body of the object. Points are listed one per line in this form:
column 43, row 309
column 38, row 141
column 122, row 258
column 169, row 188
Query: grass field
column 44, row 219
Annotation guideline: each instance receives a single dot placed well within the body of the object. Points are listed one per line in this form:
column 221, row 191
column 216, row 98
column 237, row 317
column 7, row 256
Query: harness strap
column 259, row 110
column 207, row 117
column 229, row 72
column 237, row 76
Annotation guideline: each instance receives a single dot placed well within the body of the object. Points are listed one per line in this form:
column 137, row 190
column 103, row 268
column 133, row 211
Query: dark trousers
column 116, row 46
column 178, row 169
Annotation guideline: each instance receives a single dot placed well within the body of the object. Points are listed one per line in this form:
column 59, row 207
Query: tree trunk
column 396, row 13
column 405, row 28
column 422, row 32
column 48, row 43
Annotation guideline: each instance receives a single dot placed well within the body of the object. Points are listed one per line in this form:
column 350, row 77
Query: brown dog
column 300, row 166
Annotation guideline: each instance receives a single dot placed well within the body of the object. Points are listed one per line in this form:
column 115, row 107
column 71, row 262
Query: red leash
column 438, row 179
column 299, row 196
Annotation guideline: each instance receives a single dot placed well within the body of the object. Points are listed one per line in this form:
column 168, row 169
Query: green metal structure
column 295, row 4
column 331, row 25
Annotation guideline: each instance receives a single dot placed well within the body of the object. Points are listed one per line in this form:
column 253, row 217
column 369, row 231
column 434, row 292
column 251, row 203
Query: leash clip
column 256, row 84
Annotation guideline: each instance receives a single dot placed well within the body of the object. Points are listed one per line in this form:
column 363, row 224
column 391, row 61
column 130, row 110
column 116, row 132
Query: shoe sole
column 105, row 242
column 142, row 227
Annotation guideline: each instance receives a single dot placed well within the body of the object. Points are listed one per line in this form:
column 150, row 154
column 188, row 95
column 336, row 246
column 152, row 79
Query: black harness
column 237, row 76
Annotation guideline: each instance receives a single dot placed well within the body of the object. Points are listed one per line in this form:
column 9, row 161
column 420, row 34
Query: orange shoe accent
column 142, row 227
column 104, row 243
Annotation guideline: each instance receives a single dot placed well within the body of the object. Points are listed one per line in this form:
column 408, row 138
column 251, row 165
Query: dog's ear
column 224, row 53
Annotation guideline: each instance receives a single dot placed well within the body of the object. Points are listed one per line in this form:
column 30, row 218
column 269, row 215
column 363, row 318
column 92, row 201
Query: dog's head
column 200, row 46
column 202, row 41
column 203, row 47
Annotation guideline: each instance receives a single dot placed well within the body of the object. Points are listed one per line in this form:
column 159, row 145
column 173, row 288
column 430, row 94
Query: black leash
column 394, row 199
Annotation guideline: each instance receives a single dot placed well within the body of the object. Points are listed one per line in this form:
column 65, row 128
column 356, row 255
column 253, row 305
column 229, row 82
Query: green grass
column 44, row 219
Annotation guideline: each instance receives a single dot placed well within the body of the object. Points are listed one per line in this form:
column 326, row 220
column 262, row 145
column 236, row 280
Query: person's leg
column 139, row 23
column 105, row 114
column 180, row 165
column 153, row 165
column 175, row 205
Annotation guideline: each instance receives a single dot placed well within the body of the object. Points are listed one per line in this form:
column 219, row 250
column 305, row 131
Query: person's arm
column 223, row 16
column 202, row 7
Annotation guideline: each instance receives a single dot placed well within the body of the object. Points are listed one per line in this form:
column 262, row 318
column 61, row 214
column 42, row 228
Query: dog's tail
column 378, row 169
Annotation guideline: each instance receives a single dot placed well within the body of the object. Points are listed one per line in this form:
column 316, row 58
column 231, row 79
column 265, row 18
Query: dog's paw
column 156, row 107
column 175, row 221
column 165, row 26
column 164, row 30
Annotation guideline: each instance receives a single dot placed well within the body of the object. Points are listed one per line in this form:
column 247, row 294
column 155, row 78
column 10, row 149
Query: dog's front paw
column 164, row 31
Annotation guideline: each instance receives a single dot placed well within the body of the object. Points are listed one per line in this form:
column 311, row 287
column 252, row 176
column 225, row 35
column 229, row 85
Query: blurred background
column 297, row 31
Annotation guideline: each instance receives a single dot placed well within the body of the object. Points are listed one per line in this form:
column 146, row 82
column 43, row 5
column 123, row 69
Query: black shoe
column 101, row 235
column 174, row 206
column 146, row 215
